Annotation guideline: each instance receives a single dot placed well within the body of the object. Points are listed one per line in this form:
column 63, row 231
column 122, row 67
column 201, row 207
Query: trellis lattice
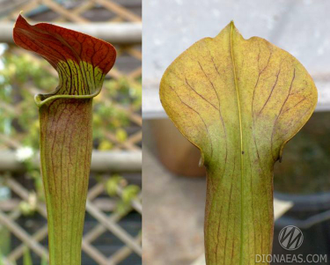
column 76, row 11
column 133, row 141
column 129, row 56
column 107, row 223
column 93, row 207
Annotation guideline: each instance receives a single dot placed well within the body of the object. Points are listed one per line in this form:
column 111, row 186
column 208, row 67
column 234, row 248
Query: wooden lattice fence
column 111, row 237
column 97, row 207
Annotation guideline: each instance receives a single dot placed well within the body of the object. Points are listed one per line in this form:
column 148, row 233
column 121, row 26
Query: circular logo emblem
column 290, row 237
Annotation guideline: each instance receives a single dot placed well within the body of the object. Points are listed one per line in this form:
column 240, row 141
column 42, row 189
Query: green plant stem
column 66, row 148
column 230, row 237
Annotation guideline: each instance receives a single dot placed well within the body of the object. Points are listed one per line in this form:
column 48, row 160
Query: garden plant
column 65, row 117
column 239, row 101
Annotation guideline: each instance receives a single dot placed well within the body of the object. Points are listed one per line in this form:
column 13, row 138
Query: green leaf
column 44, row 260
column 112, row 184
column 27, row 260
column 239, row 101
column 130, row 192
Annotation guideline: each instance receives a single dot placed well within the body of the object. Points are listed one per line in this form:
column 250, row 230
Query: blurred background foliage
column 117, row 127
column 21, row 77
